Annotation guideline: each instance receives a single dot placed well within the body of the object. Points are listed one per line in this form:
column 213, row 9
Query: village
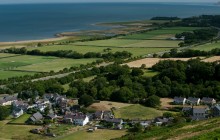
column 58, row 109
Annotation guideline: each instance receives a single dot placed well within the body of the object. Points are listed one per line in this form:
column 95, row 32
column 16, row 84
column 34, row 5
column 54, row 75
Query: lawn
column 107, row 105
column 97, row 135
column 9, row 74
column 56, row 65
column 21, row 120
column 207, row 47
column 137, row 112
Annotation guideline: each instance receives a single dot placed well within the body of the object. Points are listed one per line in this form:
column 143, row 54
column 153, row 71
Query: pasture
column 100, row 134
column 107, row 105
column 9, row 74
column 136, row 51
column 207, row 47
column 137, row 112
column 21, row 120
column 55, row 65
column 164, row 33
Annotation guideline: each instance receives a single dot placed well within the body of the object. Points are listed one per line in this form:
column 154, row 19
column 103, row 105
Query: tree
column 152, row 101
column 4, row 112
column 137, row 72
column 137, row 128
column 85, row 100
column 72, row 92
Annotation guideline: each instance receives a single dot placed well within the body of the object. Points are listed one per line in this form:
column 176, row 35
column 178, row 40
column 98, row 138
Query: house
column 216, row 110
column 51, row 116
column 43, row 101
column 36, row 117
column 114, row 120
column 199, row 113
column 21, row 104
column 8, row 100
column 208, row 101
column 98, row 115
column 17, row 112
column 143, row 123
column 193, row 101
column 175, row 38
column 161, row 121
column 179, row 100
column 76, row 118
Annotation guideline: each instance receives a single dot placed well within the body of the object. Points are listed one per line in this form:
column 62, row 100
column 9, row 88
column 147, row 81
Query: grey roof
column 199, row 110
column 217, row 107
column 207, row 99
column 8, row 98
column 74, row 116
column 114, row 120
column 179, row 99
column 192, row 99
column 37, row 116
column 186, row 108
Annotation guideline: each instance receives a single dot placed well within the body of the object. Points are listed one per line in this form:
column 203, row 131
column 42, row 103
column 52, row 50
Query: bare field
column 212, row 59
column 149, row 62
column 107, row 105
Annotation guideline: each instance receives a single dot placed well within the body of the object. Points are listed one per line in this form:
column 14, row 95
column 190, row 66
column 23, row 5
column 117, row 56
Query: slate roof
column 199, row 110
column 36, row 116
column 74, row 116
column 178, row 99
column 206, row 99
column 192, row 99
column 114, row 120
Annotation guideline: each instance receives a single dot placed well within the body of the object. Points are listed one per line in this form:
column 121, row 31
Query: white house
column 179, row 100
column 17, row 112
column 8, row 100
column 76, row 118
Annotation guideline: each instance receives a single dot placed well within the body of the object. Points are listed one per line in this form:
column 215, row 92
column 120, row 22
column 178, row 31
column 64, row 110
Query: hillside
column 201, row 130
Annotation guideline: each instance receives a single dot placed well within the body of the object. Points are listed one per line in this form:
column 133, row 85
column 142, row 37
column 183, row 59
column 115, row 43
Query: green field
column 18, row 132
column 9, row 74
column 150, row 73
column 207, row 47
column 85, row 49
column 160, row 34
column 22, row 60
column 55, row 65
column 197, row 130
column 97, row 135
column 21, row 120
column 130, row 43
column 137, row 112
column 3, row 55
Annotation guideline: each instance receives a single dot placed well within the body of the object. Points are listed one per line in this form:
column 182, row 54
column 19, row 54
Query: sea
column 20, row 22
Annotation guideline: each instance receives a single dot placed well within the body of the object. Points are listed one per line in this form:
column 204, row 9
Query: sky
column 55, row 1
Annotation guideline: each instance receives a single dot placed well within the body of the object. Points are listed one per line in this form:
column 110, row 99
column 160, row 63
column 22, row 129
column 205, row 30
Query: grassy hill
column 200, row 130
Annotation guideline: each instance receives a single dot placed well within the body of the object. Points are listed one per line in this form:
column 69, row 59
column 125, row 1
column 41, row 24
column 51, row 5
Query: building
column 114, row 120
column 76, row 118
column 17, row 112
column 36, row 117
column 216, row 110
column 193, row 101
column 8, row 100
column 199, row 113
column 179, row 100
column 208, row 101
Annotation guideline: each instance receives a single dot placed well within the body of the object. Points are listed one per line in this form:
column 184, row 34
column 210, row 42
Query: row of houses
column 194, row 101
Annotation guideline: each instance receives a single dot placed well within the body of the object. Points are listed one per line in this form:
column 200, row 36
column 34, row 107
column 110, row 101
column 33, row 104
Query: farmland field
column 55, row 65
column 97, row 135
column 130, row 43
column 21, row 120
column 137, row 112
column 9, row 74
column 84, row 49
column 160, row 34
column 3, row 55
column 107, row 105
column 207, row 47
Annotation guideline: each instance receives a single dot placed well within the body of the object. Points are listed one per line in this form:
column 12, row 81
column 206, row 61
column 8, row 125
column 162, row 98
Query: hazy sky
column 47, row 1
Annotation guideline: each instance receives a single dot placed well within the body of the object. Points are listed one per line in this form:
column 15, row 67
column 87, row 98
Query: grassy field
column 84, row 49
column 137, row 112
column 9, row 74
column 150, row 73
column 3, row 55
column 160, row 34
column 130, row 43
column 107, row 105
column 55, row 65
column 18, row 132
column 207, row 47
column 21, row 120
column 199, row 130
column 97, row 135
